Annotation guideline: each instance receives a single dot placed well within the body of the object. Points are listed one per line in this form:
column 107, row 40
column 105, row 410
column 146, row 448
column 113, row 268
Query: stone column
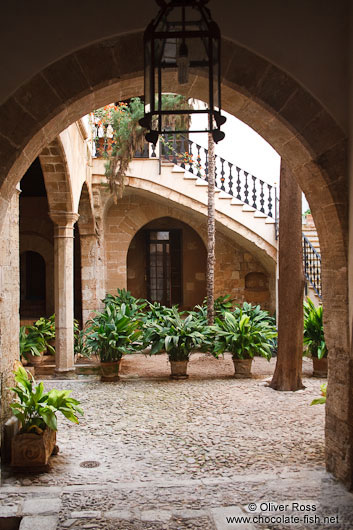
column 92, row 275
column 64, row 291
column 288, row 370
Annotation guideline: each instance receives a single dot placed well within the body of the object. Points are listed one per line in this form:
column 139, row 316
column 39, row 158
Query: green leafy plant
column 111, row 334
column 36, row 409
column 133, row 306
column 314, row 338
column 257, row 314
column 157, row 312
column 322, row 399
column 222, row 304
column 177, row 336
column 242, row 337
column 31, row 342
column 46, row 328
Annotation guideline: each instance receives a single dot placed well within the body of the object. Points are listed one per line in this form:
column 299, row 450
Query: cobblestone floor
column 174, row 454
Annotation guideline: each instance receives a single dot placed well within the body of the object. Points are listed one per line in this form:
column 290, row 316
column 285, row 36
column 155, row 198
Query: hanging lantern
column 181, row 44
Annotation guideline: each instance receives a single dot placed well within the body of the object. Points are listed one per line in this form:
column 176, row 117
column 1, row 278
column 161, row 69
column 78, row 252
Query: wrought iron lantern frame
column 161, row 30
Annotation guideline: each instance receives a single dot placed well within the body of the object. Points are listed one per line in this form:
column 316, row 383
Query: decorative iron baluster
column 105, row 139
column 262, row 195
column 254, row 195
column 238, row 183
column 222, row 175
column 174, row 150
column 153, row 154
column 206, row 164
column 198, row 158
column 96, row 143
column 269, row 200
column 230, row 179
column 190, row 162
column 246, row 188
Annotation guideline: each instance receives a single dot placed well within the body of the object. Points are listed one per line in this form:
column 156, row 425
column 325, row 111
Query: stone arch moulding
column 56, row 177
column 257, row 92
column 86, row 221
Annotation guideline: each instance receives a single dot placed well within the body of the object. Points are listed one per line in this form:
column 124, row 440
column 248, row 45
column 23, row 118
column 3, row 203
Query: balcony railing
column 312, row 266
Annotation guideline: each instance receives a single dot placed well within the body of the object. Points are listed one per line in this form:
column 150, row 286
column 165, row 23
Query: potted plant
column 178, row 337
column 36, row 412
column 111, row 334
column 46, row 328
column 243, row 338
column 314, row 338
column 32, row 345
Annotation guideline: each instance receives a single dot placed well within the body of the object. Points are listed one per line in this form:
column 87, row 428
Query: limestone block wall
column 234, row 266
column 134, row 211
column 9, row 302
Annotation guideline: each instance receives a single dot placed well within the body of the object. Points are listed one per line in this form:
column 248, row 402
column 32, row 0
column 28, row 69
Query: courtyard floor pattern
column 176, row 455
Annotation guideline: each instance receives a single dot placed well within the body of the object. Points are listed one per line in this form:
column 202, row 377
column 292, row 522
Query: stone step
column 247, row 208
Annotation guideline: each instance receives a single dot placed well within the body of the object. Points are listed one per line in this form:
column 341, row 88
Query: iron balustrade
column 312, row 266
column 229, row 177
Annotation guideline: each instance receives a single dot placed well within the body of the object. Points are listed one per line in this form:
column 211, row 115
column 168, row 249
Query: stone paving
column 184, row 454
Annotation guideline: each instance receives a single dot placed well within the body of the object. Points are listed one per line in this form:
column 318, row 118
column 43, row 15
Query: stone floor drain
column 89, row 463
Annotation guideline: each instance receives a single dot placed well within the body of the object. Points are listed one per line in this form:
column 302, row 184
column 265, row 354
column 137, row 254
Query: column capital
column 63, row 219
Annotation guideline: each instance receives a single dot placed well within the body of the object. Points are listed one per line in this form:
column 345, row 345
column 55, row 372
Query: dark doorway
column 33, row 293
column 164, row 266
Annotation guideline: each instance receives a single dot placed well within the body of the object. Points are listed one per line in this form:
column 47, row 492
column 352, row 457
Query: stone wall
column 9, row 301
column 124, row 220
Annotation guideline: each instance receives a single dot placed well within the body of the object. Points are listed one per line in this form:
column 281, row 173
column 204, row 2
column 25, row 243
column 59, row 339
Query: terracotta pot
column 319, row 367
column 178, row 369
column 242, row 368
column 32, row 451
column 110, row 371
column 34, row 360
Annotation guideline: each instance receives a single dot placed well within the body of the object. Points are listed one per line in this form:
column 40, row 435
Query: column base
column 65, row 374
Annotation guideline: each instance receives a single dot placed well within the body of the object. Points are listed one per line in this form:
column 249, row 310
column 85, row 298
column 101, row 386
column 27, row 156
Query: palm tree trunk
column 211, row 231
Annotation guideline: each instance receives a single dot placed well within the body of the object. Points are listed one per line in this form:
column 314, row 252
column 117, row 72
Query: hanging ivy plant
column 121, row 122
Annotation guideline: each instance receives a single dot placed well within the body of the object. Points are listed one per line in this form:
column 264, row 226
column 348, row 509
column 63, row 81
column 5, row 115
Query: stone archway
column 266, row 98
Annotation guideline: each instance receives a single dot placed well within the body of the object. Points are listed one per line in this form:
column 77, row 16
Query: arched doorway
column 33, row 292
column 166, row 263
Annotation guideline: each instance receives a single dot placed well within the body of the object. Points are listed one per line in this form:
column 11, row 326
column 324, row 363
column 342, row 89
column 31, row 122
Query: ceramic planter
column 32, row 451
column 110, row 371
column 319, row 367
column 242, row 368
column 35, row 360
column 178, row 369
